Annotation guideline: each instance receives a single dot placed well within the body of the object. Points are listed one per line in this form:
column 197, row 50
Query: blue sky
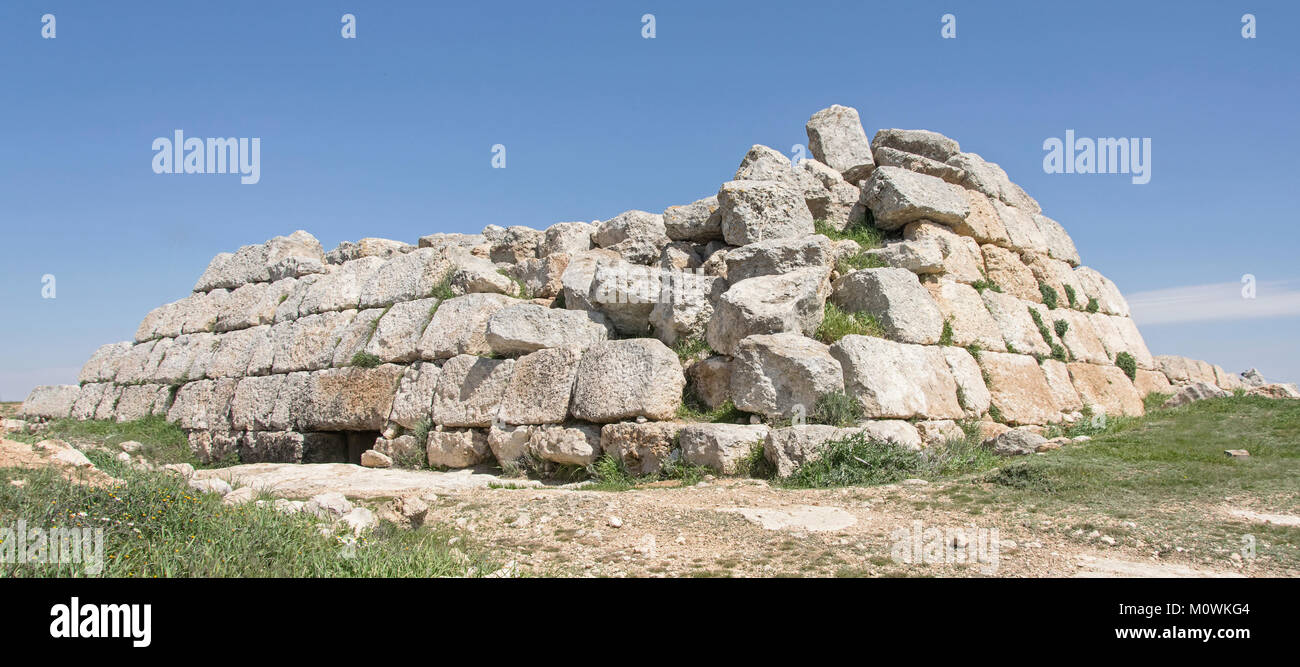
column 390, row 135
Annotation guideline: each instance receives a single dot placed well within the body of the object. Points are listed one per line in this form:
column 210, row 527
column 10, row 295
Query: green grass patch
column 156, row 526
column 691, row 348
column 365, row 360
column 837, row 323
column 1050, row 297
column 863, row 232
column 836, row 409
column 608, row 474
column 860, row 461
column 1128, row 364
column 161, row 441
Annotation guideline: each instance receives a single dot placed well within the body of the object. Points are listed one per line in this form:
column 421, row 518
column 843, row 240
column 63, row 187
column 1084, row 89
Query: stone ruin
column 556, row 344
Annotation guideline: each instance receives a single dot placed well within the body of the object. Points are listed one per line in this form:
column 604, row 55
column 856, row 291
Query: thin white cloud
column 1218, row 301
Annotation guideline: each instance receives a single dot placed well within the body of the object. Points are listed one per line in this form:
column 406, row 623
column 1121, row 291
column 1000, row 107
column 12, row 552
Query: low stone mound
column 524, row 345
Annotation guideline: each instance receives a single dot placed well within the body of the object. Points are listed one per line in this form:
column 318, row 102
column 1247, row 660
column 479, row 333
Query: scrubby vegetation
column 838, row 323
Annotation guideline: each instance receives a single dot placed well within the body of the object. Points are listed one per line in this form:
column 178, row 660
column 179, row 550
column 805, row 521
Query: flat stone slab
column 304, row 480
column 801, row 517
column 1097, row 568
column 1274, row 519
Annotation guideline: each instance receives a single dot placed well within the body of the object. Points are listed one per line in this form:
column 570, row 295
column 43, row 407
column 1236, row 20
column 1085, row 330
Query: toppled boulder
column 1197, row 391
column 1017, row 442
column 836, row 138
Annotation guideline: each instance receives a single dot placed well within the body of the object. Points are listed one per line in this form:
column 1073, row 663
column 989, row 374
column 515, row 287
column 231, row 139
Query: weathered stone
column 783, row 375
column 1125, row 337
column 524, row 328
column 541, row 277
column 134, row 365
column 898, row 196
column 459, row 326
column 920, row 256
column 710, row 380
column 102, row 365
column 1107, row 387
column 339, row 289
column 1064, row 395
column 627, row 293
column 571, row 444
column 1099, row 287
column 643, row 449
column 920, row 142
column 1009, row 273
column 837, row 203
column 1059, row 244
column 1017, row 442
column 283, row 256
column 476, row 274
column 578, row 275
column 540, row 387
column 1251, row 378
column 721, row 447
column 308, row 343
column 778, row 256
column 972, row 393
column 353, row 338
column 470, row 389
column 50, row 401
column 509, row 444
column 347, row 399
column 374, row 459
column 625, row 379
column 753, row 211
column 1081, row 337
column 893, row 431
column 896, row 299
column 697, row 221
column 835, row 138
column 939, row 432
column 1196, row 391
column 680, row 255
column 88, row 398
column 892, row 157
column 793, row 302
column 788, row 448
column 1018, row 389
column 565, row 238
column 1021, row 229
column 1057, row 275
column 405, row 277
column 897, row 380
column 254, row 402
column 1278, row 390
column 399, row 331
column 372, row 247
column 637, row 236
column 983, row 223
column 1151, row 382
column 235, row 351
column 961, row 306
column 685, row 306
column 1013, row 318
column 413, row 402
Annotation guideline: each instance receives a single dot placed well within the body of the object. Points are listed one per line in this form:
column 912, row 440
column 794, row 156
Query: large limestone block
column 385, row 248
column 337, row 290
column 525, row 328
column 1017, row 325
column 251, row 304
column 565, row 238
column 577, row 277
column 896, row 298
column 1130, row 339
column 446, row 241
column 1064, row 394
column 471, row 274
column 1174, row 367
column 961, row 260
column 459, row 326
column 778, row 256
column 569, row 444
column 168, row 319
column 285, row 413
column 983, row 222
column 898, row 196
column 626, row 294
column 542, row 277
column 1151, row 382
column 203, row 405
column 892, row 157
column 788, row 448
column 405, row 277
column 837, row 203
column 514, row 244
column 698, row 221
column 1059, row 244
column 836, row 138
column 414, row 400
column 307, row 343
column 642, row 449
column 105, row 410
column 348, row 399
column 254, row 403
column 400, row 329
column 1005, row 268
column 920, row 256
column 721, row 447
column 972, row 393
column 920, row 142
column 470, row 389
column 88, row 398
column 281, row 257
column 103, row 363
column 637, row 236
column 1107, row 387
column 236, row 351
column 1081, row 337
column 793, row 302
column 753, row 211
column 50, row 401
column 201, row 310
column 140, row 401
column 1018, row 389
column 1223, row 378
column 783, row 375
column 762, row 163
column 1099, row 287
column 1058, row 275
column 457, row 447
column 1022, row 231
column 356, row 335
column 897, row 380
column 540, row 387
column 134, row 366
column 963, row 308
column 626, row 379
column 188, row 358
column 510, row 444
column 686, row 306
